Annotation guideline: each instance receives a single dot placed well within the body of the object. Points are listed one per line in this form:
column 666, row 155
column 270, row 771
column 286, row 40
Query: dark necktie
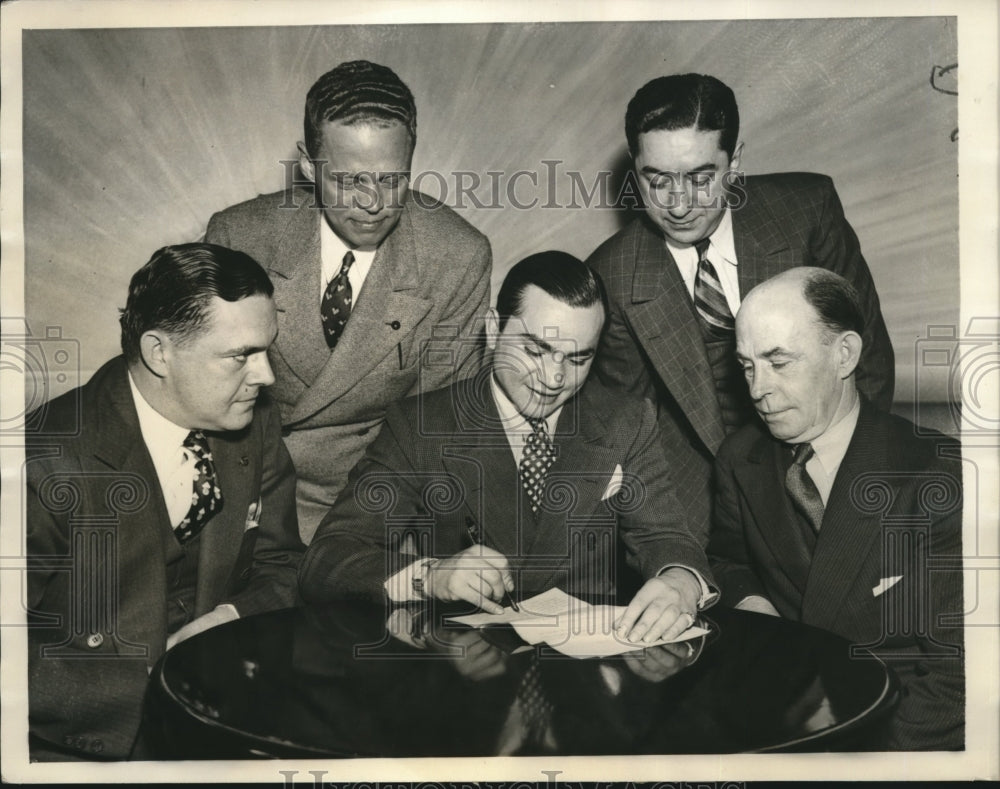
column 206, row 498
column 801, row 489
column 536, row 460
column 536, row 709
column 335, row 308
column 709, row 298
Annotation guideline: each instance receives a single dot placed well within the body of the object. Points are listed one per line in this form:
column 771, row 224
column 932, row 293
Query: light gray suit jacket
column 413, row 327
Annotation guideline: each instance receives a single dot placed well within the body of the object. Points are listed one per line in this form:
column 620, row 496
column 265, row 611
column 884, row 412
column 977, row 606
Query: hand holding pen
column 508, row 583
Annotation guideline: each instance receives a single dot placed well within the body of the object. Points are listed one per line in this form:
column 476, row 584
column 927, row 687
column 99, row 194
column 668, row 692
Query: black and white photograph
column 499, row 392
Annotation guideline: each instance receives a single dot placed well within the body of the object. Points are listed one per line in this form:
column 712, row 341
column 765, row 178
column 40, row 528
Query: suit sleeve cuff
column 399, row 587
column 709, row 595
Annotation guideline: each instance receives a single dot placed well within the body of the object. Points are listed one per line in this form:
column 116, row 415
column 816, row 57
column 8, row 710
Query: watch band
column 419, row 576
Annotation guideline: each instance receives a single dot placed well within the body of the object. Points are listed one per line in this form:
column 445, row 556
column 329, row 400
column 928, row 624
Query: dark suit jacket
column 442, row 462
column 653, row 347
column 432, row 271
column 895, row 510
column 97, row 586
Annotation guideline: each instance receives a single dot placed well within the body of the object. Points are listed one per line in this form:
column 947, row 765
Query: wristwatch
column 419, row 577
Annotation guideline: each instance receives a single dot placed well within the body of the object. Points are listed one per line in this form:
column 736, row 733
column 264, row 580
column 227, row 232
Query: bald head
column 798, row 338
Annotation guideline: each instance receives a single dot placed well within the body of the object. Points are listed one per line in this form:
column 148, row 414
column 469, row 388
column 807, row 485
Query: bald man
column 832, row 513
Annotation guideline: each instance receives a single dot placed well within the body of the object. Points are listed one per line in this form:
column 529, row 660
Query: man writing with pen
column 522, row 479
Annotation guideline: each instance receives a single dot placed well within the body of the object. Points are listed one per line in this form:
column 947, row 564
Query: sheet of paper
column 569, row 625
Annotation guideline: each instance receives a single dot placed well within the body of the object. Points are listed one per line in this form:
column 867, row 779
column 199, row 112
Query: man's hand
column 478, row 575
column 217, row 616
column 757, row 604
column 663, row 608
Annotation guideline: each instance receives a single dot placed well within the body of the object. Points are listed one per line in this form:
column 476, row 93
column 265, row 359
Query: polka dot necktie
column 536, row 708
column 538, row 457
column 335, row 308
column 801, row 489
column 709, row 298
column 206, row 497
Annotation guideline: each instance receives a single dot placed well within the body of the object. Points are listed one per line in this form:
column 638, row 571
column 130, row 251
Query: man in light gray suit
column 368, row 275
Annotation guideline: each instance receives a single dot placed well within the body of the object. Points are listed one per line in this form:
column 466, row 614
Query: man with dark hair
column 160, row 500
column 675, row 276
column 519, row 480
column 837, row 514
column 366, row 272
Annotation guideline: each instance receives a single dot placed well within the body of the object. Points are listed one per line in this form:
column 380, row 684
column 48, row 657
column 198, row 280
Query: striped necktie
column 709, row 298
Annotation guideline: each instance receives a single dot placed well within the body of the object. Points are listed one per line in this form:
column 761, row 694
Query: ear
column 492, row 328
column 734, row 161
column 154, row 348
column 306, row 162
column 849, row 353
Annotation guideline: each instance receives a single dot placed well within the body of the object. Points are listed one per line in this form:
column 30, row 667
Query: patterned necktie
column 538, row 457
column 709, row 298
column 335, row 308
column 536, row 708
column 801, row 489
column 206, row 498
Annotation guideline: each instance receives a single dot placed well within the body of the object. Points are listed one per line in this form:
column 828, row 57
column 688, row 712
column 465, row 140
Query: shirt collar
column 721, row 241
column 333, row 248
column 162, row 437
column 831, row 447
column 512, row 419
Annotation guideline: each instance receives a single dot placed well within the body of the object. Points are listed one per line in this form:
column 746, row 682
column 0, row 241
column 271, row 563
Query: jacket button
column 94, row 640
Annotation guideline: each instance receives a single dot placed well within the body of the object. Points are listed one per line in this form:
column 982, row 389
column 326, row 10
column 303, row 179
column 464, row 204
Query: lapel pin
column 244, row 461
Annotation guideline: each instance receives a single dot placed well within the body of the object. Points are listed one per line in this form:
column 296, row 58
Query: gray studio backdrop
column 133, row 138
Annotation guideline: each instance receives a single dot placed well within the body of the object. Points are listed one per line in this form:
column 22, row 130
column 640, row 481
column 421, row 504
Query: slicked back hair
column 684, row 101
column 172, row 291
column 358, row 92
column 564, row 277
column 835, row 300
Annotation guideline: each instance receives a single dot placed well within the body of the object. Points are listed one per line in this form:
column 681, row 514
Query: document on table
column 569, row 625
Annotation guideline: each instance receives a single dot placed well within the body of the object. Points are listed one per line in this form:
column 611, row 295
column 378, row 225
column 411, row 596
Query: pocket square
column 253, row 515
column 886, row 584
column 614, row 485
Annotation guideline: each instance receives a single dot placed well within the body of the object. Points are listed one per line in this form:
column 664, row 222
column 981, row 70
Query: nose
column 260, row 373
column 680, row 202
column 553, row 370
column 758, row 383
column 368, row 196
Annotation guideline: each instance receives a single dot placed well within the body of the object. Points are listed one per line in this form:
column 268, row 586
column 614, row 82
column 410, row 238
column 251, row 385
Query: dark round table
column 355, row 680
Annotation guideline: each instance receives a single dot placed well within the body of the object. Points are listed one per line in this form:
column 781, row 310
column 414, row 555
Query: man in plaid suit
column 675, row 276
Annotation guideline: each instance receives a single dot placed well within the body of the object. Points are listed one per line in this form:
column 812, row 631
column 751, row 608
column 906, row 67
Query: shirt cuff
column 399, row 587
column 708, row 594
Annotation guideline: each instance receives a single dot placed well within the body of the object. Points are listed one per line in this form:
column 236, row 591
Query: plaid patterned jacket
column 653, row 347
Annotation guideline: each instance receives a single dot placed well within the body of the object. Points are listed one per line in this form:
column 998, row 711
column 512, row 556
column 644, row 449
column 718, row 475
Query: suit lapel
column 141, row 573
column 236, row 469
column 759, row 241
column 663, row 317
column 386, row 301
column 847, row 536
column 296, row 276
column 479, row 455
column 762, row 481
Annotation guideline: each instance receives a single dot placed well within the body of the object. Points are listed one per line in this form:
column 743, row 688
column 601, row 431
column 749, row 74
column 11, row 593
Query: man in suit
column 160, row 500
column 837, row 514
column 368, row 276
column 675, row 276
column 519, row 480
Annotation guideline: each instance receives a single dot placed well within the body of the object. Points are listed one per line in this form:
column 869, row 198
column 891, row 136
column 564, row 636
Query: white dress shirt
column 175, row 466
column 721, row 254
column 829, row 450
column 332, row 250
